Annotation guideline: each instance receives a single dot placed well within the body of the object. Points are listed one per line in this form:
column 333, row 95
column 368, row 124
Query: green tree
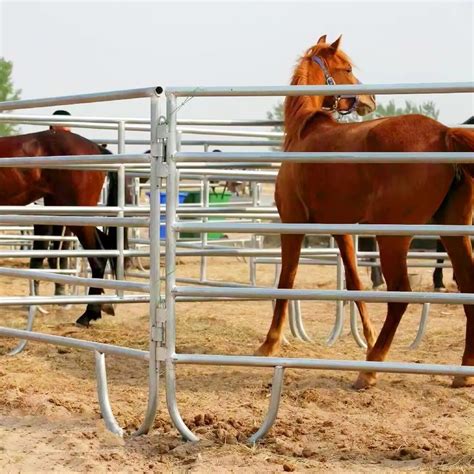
column 276, row 114
column 7, row 92
column 385, row 110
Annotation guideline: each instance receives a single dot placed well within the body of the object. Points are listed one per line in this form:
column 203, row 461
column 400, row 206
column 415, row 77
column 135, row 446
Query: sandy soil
column 49, row 418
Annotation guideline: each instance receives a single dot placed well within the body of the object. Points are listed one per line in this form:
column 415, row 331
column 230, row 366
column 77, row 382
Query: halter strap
column 331, row 82
column 322, row 64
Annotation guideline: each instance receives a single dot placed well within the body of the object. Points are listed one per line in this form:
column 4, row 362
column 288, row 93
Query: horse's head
column 327, row 64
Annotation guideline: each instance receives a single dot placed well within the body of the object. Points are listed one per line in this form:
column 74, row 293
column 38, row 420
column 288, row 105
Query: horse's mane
column 297, row 108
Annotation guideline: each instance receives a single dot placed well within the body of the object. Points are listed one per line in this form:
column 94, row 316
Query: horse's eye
column 349, row 69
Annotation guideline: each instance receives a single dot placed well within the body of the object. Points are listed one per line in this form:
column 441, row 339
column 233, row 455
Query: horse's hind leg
column 460, row 253
column 393, row 258
column 89, row 239
column 290, row 254
column 346, row 247
column 37, row 262
column 59, row 288
column 457, row 210
column 368, row 244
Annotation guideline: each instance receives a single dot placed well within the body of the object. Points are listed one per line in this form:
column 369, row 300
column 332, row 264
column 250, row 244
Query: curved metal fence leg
column 339, row 323
column 152, row 405
column 292, row 319
column 103, row 395
column 277, row 385
column 29, row 325
column 422, row 327
column 299, row 323
column 355, row 328
column 172, row 404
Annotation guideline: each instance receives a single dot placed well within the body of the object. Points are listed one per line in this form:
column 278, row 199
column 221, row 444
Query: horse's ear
column 322, row 39
column 336, row 43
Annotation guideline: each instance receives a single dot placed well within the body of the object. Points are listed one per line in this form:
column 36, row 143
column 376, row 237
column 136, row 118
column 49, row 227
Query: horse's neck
column 299, row 108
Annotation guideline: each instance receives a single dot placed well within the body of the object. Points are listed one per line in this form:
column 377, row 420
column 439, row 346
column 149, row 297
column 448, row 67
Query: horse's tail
column 461, row 139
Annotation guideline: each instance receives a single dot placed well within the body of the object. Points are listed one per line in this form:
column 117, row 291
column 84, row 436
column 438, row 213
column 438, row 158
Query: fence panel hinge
column 158, row 330
column 158, row 333
column 163, row 170
column 162, row 131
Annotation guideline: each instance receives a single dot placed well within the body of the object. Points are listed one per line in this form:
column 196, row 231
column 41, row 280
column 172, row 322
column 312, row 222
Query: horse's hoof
column 365, row 381
column 440, row 289
column 266, row 350
column 83, row 322
column 109, row 309
column 459, row 382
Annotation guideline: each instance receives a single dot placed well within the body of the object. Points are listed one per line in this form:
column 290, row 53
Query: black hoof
column 85, row 320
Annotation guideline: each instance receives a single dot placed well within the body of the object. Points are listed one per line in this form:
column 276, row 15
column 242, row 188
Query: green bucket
column 215, row 198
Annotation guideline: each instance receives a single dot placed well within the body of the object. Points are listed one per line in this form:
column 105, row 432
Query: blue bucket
column 181, row 197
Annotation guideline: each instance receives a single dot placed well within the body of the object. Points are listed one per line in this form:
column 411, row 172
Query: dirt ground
column 50, row 421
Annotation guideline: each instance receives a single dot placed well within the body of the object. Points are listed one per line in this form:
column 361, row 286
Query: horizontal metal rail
column 48, row 238
column 190, row 142
column 134, row 210
column 70, row 253
column 328, row 157
column 229, row 133
column 21, row 118
column 73, row 299
column 75, row 220
column 198, row 172
column 75, row 343
column 53, row 162
column 323, row 364
column 74, row 280
column 327, row 295
column 82, row 98
column 333, row 229
column 341, row 89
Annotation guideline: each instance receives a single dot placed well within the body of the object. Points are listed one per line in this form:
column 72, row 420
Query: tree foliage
column 427, row 108
column 7, row 92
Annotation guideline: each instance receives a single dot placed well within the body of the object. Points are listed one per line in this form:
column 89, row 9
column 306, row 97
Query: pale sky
column 67, row 47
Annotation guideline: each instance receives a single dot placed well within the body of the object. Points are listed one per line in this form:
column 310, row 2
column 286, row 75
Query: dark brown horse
column 369, row 193
column 22, row 186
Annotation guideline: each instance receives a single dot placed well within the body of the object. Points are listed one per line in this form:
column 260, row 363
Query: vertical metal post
column 121, row 204
column 171, row 205
column 204, row 197
column 339, row 323
column 157, row 155
column 254, row 239
column 204, row 235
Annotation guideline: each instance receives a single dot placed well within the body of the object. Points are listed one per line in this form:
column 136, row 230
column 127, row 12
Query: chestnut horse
column 369, row 193
column 22, row 186
column 368, row 244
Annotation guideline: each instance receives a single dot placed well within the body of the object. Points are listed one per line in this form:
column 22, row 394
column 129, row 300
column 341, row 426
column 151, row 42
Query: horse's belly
column 372, row 193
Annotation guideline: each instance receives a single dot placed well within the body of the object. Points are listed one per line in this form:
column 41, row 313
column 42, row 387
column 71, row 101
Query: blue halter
column 331, row 82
